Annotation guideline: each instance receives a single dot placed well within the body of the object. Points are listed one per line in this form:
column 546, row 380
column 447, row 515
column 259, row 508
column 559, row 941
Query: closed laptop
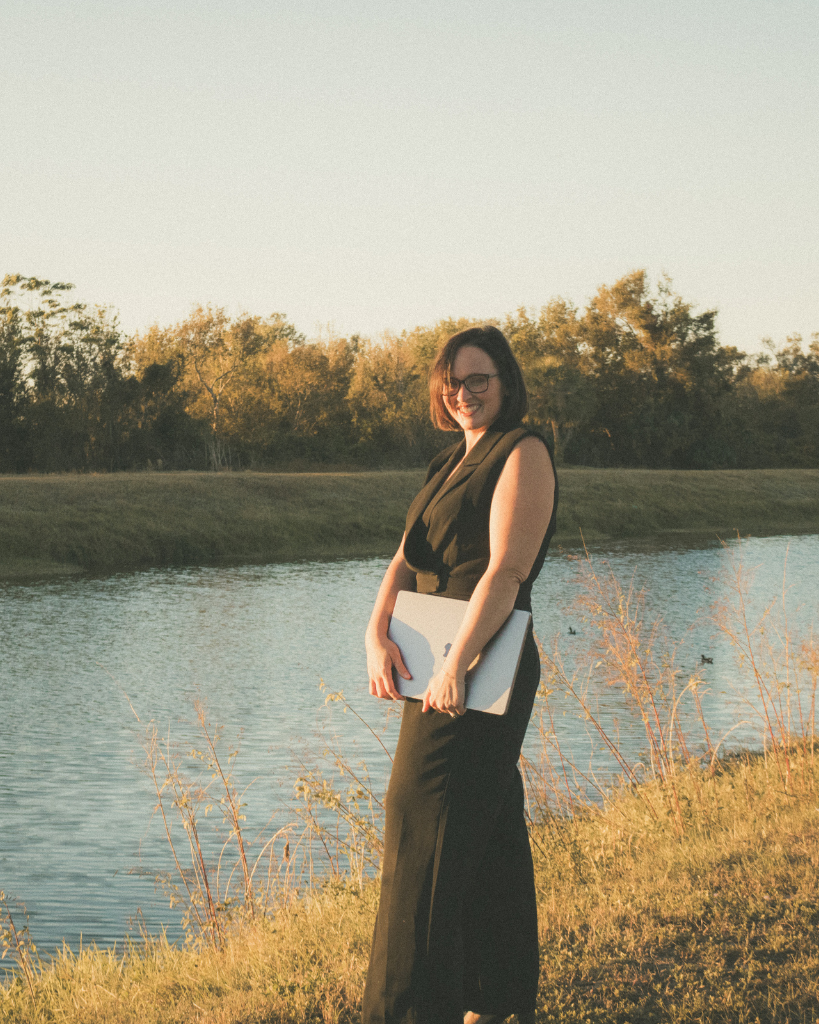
column 424, row 626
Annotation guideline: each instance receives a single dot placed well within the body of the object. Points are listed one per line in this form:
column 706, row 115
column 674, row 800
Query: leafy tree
column 12, row 391
column 220, row 366
column 657, row 371
column 307, row 389
column 773, row 416
column 552, row 357
column 68, row 375
column 637, row 378
column 389, row 401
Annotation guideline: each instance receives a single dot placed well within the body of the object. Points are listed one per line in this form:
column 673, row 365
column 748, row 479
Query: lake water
column 81, row 657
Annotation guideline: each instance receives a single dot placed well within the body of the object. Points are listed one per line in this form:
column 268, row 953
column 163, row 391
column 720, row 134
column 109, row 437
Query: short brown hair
column 493, row 342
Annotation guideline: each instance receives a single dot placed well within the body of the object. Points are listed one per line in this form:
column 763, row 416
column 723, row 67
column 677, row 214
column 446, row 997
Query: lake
column 82, row 657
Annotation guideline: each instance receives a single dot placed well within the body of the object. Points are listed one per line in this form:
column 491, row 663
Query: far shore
column 58, row 524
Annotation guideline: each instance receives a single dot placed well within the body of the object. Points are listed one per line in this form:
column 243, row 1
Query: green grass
column 119, row 521
column 632, row 503
column 637, row 924
column 66, row 523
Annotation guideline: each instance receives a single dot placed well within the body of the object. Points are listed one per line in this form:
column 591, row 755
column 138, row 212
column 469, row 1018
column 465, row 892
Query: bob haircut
column 493, row 342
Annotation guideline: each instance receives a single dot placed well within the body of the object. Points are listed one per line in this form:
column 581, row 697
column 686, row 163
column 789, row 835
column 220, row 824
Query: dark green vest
column 447, row 527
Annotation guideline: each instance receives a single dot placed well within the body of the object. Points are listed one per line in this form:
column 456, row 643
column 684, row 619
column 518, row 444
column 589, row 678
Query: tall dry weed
column 341, row 806
column 623, row 648
column 15, row 940
column 212, row 884
column 333, row 835
column 776, row 665
column 628, row 651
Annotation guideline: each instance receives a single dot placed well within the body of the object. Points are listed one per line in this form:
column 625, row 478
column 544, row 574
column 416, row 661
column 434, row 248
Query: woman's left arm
column 518, row 518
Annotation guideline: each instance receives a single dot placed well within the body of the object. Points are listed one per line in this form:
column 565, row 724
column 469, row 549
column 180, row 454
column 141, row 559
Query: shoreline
column 53, row 526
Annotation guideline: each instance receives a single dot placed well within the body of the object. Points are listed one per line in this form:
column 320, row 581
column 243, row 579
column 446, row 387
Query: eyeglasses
column 475, row 384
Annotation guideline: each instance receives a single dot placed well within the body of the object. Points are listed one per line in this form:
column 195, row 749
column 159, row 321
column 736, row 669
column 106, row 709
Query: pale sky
column 378, row 164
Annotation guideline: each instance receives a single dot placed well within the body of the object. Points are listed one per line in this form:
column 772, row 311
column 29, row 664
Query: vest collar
column 439, row 485
column 484, row 446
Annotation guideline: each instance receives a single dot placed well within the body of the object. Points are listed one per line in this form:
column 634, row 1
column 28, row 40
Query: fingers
column 457, row 712
column 384, row 688
column 382, row 684
column 392, row 690
column 443, row 700
column 383, row 658
column 393, row 652
column 400, row 667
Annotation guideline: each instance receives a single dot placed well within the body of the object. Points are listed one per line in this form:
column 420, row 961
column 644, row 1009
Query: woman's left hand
column 446, row 692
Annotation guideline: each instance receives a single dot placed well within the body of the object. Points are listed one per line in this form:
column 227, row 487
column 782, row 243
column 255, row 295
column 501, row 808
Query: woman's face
column 474, row 412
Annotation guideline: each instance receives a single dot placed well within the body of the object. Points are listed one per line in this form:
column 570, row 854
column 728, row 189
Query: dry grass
column 67, row 523
column 723, row 925
column 637, row 925
column 306, row 965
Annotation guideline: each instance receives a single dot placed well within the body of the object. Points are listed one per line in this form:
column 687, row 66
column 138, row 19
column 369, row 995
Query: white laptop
column 424, row 627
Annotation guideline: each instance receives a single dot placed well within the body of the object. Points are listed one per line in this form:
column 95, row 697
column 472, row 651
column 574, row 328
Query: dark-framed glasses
column 475, row 384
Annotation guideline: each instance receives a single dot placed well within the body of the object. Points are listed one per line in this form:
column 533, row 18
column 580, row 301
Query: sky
column 373, row 165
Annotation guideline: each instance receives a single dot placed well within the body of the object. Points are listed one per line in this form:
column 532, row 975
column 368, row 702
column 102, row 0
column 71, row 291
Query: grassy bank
column 638, row 924
column 120, row 521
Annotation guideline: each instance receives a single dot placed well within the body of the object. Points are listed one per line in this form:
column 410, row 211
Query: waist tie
column 461, row 587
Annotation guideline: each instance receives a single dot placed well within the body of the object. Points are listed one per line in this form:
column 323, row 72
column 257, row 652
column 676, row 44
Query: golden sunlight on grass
column 636, row 925
column 119, row 521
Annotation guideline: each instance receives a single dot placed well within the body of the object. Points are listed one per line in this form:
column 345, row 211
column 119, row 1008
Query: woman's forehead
column 469, row 359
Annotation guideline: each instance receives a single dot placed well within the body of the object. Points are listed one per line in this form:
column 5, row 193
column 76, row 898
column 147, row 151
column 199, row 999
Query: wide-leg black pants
column 457, row 922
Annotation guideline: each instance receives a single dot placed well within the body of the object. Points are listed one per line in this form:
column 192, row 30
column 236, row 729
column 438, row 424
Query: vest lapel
column 427, row 492
column 468, row 466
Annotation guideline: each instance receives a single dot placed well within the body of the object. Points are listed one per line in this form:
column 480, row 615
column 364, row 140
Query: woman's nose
column 462, row 390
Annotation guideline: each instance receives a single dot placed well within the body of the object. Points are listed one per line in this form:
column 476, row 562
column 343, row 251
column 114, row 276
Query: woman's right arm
column 382, row 653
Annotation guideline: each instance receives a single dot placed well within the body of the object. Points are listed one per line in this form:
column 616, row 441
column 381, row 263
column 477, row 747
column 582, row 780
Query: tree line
column 636, row 379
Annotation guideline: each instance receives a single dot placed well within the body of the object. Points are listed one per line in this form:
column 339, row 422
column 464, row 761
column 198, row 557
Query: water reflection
column 81, row 658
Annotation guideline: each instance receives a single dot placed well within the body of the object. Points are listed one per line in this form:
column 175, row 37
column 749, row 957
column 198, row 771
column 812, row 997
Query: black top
column 447, row 543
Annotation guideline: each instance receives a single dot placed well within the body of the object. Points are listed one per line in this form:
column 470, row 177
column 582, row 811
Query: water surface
column 81, row 658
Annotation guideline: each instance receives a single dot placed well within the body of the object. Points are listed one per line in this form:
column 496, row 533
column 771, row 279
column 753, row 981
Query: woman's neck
column 472, row 437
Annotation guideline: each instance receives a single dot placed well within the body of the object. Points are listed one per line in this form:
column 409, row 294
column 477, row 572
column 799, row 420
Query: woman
column 456, row 934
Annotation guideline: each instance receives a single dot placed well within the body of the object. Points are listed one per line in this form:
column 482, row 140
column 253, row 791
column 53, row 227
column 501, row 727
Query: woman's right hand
column 382, row 655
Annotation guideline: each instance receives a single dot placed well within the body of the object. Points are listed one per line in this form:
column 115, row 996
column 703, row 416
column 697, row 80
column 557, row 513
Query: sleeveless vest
column 447, row 542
